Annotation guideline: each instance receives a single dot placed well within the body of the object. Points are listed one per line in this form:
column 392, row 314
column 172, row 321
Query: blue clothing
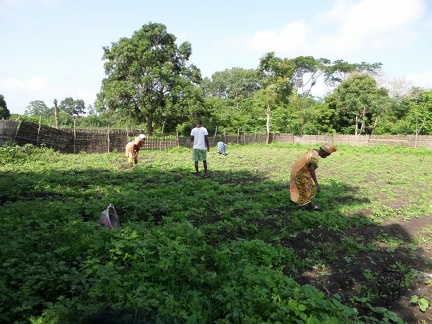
column 221, row 148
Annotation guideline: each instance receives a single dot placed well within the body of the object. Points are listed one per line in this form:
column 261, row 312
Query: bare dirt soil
column 345, row 275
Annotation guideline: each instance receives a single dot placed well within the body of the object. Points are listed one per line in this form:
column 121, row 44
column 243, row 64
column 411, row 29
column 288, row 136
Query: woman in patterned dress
column 303, row 177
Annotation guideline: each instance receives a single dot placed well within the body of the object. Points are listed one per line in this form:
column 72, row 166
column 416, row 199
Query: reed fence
column 111, row 140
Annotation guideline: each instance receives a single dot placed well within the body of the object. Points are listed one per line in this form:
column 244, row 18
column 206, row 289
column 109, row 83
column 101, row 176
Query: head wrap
column 329, row 148
column 141, row 136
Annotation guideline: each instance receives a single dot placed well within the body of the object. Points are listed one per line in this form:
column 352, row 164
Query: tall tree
column 4, row 111
column 72, row 107
column 38, row 108
column 359, row 103
column 147, row 75
column 307, row 71
column 234, row 84
column 277, row 84
column 340, row 70
column 227, row 94
column 420, row 112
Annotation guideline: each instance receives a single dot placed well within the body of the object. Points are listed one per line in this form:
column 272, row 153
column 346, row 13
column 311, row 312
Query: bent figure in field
column 199, row 137
column 303, row 176
column 221, row 148
column 132, row 149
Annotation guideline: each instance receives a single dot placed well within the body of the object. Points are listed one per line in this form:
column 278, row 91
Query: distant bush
column 13, row 153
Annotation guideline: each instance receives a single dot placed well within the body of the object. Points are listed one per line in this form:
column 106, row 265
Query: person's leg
column 204, row 159
column 196, row 168
column 195, row 158
column 205, row 168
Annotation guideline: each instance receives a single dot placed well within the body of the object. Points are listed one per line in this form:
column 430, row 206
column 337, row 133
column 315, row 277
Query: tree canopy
column 358, row 101
column 38, row 108
column 148, row 76
column 72, row 107
column 4, row 111
column 149, row 83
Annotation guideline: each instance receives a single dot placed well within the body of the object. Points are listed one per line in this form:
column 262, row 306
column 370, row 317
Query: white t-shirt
column 199, row 137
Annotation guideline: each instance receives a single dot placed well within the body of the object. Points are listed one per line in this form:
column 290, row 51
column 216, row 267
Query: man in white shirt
column 199, row 137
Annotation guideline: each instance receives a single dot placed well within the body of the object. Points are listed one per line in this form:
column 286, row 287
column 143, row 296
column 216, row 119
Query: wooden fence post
column 74, row 135
column 39, row 128
column 108, row 139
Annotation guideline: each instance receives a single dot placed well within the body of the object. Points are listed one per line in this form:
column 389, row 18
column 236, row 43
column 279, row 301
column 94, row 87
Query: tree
column 307, row 71
column 306, row 115
column 72, row 107
column 38, row 108
column 420, row 112
column 227, row 94
column 147, row 75
column 234, row 84
column 277, row 85
column 358, row 101
column 4, row 111
column 340, row 70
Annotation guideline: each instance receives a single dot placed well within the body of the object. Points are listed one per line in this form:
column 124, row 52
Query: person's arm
column 312, row 168
column 207, row 142
column 135, row 150
column 192, row 135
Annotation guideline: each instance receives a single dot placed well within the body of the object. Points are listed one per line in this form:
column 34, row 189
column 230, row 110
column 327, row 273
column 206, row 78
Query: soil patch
column 382, row 273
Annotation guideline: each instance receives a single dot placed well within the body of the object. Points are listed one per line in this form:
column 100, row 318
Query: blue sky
column 52, row 49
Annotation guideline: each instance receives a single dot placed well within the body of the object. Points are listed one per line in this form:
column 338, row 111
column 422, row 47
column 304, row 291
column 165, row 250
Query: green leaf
column 192, row 319
column 423, row 304
column 414, row 299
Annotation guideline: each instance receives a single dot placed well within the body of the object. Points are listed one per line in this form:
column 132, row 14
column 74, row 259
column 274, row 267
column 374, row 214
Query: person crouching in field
column 132, row 149
column 303, row 177
column 221, row 148
column 199, row 137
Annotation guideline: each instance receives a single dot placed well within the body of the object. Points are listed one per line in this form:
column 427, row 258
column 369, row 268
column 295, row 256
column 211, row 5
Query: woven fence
column 78, row 140
column 8, row 129
column 112, row 140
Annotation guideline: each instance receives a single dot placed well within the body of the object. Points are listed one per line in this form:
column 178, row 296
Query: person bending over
column 132, row 149
column 303, row 177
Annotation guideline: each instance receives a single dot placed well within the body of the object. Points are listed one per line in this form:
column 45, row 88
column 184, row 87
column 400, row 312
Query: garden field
column 230, row 248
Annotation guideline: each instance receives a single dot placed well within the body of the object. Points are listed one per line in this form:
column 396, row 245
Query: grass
column 232, row 248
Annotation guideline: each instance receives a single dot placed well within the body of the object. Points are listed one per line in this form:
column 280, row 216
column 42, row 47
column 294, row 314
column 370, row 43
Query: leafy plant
column 231, row 248
column 421, row 302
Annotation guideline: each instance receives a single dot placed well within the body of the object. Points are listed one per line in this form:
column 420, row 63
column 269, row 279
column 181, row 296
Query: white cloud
column 370, row 17
column 348, row 27
column 336, row 14
column 373, row 24
column 287, row 38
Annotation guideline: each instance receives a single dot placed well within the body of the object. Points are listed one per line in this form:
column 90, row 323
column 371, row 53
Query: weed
column 189, row 249
column 421, row 302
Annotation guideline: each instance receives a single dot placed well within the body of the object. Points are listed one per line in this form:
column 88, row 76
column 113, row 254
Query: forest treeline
column 150, row 84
